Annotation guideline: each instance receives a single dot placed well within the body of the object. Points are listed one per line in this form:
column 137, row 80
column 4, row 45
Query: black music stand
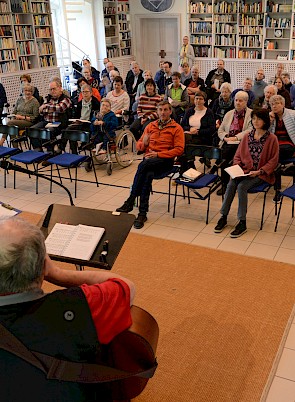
column 117, row 228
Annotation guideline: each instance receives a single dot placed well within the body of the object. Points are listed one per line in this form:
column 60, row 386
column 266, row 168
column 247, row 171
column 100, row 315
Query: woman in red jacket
column 257, row 155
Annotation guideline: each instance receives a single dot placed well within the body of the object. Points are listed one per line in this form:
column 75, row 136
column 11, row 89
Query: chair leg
column 208, row 208
column 51, row 173
column 94, row 171
column 36, row 170
column 69, row 170
column 58, row 172
column 14, row 176
column 175, row 196
column 262, row 214
column 76, row 173
column 169, row 193
column 279, row 212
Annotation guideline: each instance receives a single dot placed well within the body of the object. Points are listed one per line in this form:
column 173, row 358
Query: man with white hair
column 133, row 79
column 247, row 86
column 263, row 101
column 110, row 86
column 74, row 324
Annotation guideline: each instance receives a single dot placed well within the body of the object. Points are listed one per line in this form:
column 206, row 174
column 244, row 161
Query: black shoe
column 139, row 221
column 88, row 166
column 277, row 198
column 221, row 224
column 240, row 229
column 126, row 207
column 221, row 191
column 45, row 163
column 213, row 170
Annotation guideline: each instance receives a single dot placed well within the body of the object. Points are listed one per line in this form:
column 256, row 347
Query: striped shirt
column 282, row 133
column 121, row 102
column 147, row 106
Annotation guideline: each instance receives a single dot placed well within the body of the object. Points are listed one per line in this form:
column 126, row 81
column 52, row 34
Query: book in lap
column 235, row 171
column 73, row 241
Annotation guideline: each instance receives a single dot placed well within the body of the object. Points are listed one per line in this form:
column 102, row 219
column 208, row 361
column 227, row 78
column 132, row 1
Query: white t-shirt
column 195, row 119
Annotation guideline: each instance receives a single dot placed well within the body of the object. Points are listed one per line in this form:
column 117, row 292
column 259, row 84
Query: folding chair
column 32, row 157
column 208, row 182
column 5, row 153
column 290, row 193
column 170, row 175
column 68, row 160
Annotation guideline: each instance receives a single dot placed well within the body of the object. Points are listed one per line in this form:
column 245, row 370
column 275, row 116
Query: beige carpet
column 221, row 318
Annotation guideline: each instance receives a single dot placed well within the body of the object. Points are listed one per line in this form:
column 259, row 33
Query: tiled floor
column 188, row 227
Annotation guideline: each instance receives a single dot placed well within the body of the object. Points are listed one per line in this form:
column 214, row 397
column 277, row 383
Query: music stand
column 117, row 228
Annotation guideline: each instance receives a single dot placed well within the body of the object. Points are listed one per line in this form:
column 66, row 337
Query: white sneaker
column 97, row 148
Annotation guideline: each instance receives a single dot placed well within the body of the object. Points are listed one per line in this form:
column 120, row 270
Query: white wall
column 179, row 7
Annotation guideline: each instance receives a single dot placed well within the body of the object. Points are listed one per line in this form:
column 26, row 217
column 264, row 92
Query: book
column 7, row 210
column 73, row 241
column 191, row 174
column 235, row 171
column 54, row 124
column 79, row 121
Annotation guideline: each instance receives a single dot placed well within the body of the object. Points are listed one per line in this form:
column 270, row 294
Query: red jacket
column 268, row 161
column 168, row 142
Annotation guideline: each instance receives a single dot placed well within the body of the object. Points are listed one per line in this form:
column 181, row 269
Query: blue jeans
column 242, row 185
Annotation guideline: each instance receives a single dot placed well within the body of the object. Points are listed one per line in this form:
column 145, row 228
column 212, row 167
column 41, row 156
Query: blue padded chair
column 208, row 181
column 261, row 188
column 290, row 193
column 5, row 153
column 68, row 160
column 170, row 175
column 32, row 157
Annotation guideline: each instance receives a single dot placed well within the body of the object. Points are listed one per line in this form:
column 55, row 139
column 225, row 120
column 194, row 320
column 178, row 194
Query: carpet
column 221, row 318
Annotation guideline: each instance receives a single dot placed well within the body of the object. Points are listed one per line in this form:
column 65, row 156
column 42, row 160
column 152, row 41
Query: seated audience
column 91, row 80
column 94, row 73
column 146, row 109
column 247, row 85
column 87, row 107
column 283, row 92
column 26, row 79
column 283, row 126
column 133, row 79
column 186, row 73
column 82, row 81
column 103, row 126
column 223, row 103
column 104, row 71
column 199, row 122
column 119, row 98
column 177, row 95
column 26, row 111
column 194, row 84
column 159, row 73
column 166, row 78
column 186, row 53
column 162, row 141
column 105, row 78
column 55, row 109
column 147, row 74
column 235, row 125
column 110, row 86
column 215, row 78
column 263, row 101
column 3, row 99
column 72, row 323
column 289, row 87
column 259, row 84
column 279, row 69
column 257, row 154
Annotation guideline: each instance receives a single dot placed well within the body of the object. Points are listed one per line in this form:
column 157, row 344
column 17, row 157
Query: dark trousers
column 286, row 152
column 228, row 153
column 142, row 183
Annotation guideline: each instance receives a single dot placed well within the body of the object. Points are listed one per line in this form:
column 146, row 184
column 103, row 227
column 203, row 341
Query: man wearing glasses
column 55, row 109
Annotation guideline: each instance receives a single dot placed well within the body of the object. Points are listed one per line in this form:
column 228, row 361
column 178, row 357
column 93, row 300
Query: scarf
column 223, row 106
column 184, row 50
column 237, row 123
column 162, row 124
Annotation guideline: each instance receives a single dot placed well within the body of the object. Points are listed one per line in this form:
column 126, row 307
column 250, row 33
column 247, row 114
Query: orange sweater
column 95, row 93
column 168, row 142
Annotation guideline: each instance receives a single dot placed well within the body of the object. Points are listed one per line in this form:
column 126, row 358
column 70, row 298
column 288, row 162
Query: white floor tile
column 286, row 366
column 281, row 390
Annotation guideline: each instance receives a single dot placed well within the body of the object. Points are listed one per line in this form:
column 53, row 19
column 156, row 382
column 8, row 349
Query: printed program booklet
column 236, row 171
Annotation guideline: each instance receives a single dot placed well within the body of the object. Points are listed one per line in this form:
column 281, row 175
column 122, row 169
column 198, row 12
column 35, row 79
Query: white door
column 159, row 34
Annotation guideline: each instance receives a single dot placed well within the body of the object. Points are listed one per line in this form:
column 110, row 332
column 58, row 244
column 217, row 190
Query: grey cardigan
column 289, row 121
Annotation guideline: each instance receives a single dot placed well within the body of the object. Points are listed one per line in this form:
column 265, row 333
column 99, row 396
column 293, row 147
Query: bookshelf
column 117, row 28
column 243, row 29
column 26, row 38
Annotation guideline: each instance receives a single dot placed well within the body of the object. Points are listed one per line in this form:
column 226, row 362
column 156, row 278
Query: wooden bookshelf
column 26, row 35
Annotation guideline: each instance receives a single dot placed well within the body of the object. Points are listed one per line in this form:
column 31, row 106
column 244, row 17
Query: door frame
column 138, row 50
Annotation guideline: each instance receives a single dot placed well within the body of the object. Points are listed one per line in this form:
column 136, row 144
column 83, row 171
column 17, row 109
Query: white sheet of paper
column 235, row 171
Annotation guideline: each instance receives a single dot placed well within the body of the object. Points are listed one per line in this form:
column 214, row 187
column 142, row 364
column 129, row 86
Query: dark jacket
column 95, row 106
column 3, row 97
column 286, row 95
column 200, row 82
column 163, row 84
column 130, row 80
column 226, row 76
column 208, row 125
column 219, row 113
column 110, row 123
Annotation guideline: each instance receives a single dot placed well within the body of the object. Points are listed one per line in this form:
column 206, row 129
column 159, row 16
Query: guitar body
column 134, row 350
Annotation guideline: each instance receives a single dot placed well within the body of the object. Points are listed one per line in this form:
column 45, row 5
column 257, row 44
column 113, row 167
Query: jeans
column 242, row 185
column 142, row 183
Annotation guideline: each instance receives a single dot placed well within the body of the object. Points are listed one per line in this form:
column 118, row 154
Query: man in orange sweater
column 161, row 141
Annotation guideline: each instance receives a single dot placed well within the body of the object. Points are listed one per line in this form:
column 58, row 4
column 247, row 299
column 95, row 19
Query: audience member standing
column 186, row 53
column 215, row 78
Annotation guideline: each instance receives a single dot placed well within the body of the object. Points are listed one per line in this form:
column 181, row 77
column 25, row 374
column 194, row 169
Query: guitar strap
column 57, row 369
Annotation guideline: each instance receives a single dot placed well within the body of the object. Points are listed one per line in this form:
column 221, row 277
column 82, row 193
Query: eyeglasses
column 85, row 92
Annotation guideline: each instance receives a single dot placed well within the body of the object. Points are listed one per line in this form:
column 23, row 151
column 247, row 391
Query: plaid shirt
column 55, row 107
